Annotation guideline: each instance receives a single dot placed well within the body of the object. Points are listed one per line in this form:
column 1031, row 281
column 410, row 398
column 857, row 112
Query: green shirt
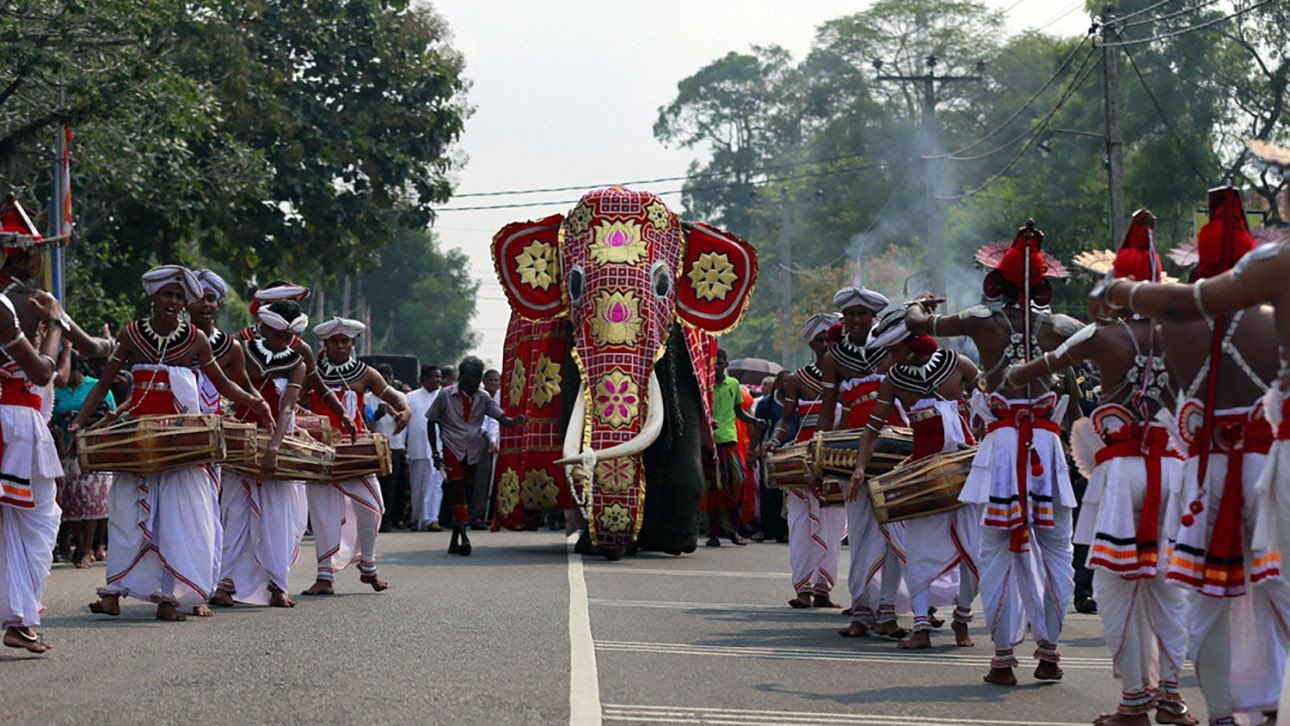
column 725, row 397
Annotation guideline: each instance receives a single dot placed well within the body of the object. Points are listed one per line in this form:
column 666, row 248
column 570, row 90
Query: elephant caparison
column 615, row 308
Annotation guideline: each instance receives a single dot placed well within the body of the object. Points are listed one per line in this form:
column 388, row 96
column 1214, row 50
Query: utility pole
column 1114, row 137
column 932, row 166
column 785, row 276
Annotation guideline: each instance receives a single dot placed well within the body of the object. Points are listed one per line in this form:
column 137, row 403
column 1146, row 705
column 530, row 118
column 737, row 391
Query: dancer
column 929, row 382
column 265, row 517
column 162, row 526
column 1134, row 472
column 1020, row 471
column 814, row 532
column 346, row 515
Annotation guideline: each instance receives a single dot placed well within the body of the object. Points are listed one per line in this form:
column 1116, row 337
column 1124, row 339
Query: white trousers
column 27, row 538
column 814, row 542
column 264, row 522
column 162, row 533
column 874, row 576
column 1027, row 590
column 346, row 516
column 427, row 491
column 940, row 565
column 1142, row 622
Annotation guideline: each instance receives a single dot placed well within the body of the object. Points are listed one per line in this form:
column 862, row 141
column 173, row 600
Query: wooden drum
column 241, row 440
column 834, row 493
column 923, row 487
column 369, row 454
column 318, row 427
column 299, row 459
column 834, row 453
column 789, row 466
column 152, row 444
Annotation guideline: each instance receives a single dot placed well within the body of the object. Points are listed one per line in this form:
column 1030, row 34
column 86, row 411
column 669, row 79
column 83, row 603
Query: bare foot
column 933, row 620
column 891, row 629
column 279, row 599
column 803, row 600
column 375, row 581
column 25, row 639
column 202, row 611
column 1000, row 677
column 917, row 641
column 168, row 612
column 823, row 601
column 107, row 605
column 1123, row 719
column 222, row 599
column 854, row 630
column 1048, row 671
column 320, row 587
column 84, row 563
column 961, row 637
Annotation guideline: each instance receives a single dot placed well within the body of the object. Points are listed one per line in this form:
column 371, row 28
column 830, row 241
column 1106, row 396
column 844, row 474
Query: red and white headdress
column 17, row 232
column 1137, row 257
column 1008, row 262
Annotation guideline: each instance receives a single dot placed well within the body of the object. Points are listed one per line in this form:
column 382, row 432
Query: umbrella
column 752, row 370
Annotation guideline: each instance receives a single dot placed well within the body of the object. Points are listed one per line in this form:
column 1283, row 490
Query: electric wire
column 1078, row 6
column 1185, row 31
column 1173, row 130
column 1167, row 16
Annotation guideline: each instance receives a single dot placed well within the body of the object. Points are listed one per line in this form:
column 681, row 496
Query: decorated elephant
column 609, row 354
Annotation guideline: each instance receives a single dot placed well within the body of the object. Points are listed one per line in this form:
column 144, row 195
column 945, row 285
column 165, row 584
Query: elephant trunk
column 635, row 446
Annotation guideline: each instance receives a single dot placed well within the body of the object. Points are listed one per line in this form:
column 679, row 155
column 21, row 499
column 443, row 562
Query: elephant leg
column 674, row 479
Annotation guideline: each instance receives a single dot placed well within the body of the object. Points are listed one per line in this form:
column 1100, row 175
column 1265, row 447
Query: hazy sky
column 566, row 93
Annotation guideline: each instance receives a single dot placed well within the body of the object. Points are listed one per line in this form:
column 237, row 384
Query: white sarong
column 27, row 534
column 814, row 542
column 264, row 522
column 345, row 517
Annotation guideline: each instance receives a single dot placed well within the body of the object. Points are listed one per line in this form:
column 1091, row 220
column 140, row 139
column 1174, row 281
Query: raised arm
column 869, row 438
column 39, row 365
column 1220, row 295
column 1073, row 350
column 124, row 349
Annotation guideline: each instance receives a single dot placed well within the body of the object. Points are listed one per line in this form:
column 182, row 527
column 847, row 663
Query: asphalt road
column 706, row 638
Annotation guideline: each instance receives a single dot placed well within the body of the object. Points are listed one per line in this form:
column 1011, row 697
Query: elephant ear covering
column 528, row 481
column 526, row 258
column 718, row 274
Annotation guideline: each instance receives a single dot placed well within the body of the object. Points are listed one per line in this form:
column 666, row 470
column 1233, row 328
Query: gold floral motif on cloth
column 536, row 265
column 515, row 386
column 659, row 215
column 617, row 399
column 615, row 518
column 617, row 319
column 508, row 491
column 713, row 276
column 618, row 243
column 579, row 219
column 616, row 476
column 538, row 492
column 546, row 381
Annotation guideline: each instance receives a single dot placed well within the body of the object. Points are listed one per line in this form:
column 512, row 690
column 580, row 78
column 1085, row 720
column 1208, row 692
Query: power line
column 1174, row 14
column 1173, row 130
column 1043, row 27
column 1078, row 80
column 1184, row 31
column 1147, row 9
column 697, row 175
column 518, row 205
column 1013, row 117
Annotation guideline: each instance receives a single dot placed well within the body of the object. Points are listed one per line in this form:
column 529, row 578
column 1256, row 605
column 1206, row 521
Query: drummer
column 346, row 515
column 1026, row 558
column 202, row 313
column 264, row 516
column 29, row 513
column 928, row 381
column 1122, row 515
column 161, row 525
column 814, row 532
column 877, row 551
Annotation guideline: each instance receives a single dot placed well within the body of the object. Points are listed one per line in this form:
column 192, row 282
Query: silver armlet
column 875, row 429
column 296, row 385
column 1195, row 296
column 931, row 325
column 1133, row 290
column 828, row 385
column 52, row 364
column 13, row 342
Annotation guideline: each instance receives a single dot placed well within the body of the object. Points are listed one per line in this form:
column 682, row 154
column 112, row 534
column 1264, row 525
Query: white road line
column 584, row 680
column 682, row 714
column 677, row 605
column 938, row 658
column 626, row 570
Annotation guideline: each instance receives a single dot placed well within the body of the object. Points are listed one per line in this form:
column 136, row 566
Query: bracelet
column 295, row 385
column 1106, row 295
column 1195, row 296
column 1048, row 362
column 13, row 342
column 828, row 385
column 1133, row 290
column 52, row 364
column 931, row 325
column 875, row 429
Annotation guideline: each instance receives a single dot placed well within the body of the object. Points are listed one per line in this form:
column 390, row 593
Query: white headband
column 282, row 292
column 339, row 326
column 818, row 323
column 277, row 322
column 213, row 283
column 852, row 296
column 158, row 277
column 889, row 330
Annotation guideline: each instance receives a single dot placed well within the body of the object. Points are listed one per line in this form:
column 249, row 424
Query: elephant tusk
column 573, row 435
column 648, row 435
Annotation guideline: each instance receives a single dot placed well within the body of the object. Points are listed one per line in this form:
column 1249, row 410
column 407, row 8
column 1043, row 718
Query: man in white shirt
column 425, row 477
column 481, row 493
column 382, row 418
